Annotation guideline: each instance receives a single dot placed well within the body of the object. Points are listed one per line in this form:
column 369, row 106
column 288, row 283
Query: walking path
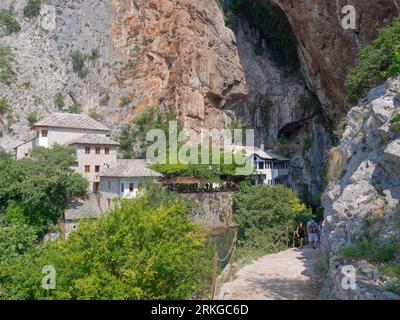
column 288, row 275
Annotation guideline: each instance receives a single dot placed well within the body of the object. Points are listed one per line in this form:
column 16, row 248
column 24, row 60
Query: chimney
column 262, row 146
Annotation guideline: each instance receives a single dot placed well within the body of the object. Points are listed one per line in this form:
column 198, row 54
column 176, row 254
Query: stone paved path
column 287, row 275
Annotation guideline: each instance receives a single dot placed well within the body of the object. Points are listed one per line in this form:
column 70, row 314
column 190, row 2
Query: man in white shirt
column 312, row 233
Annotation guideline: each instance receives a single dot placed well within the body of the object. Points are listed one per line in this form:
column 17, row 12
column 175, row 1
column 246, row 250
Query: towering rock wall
column 363, row 197
column 328, row 52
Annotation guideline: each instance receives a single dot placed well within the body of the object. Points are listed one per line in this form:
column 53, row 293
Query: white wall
column 103, row 160
column 112, row 187
column 63, row 135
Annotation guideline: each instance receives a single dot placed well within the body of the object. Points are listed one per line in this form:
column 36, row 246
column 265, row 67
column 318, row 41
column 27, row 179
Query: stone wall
column 212, row 210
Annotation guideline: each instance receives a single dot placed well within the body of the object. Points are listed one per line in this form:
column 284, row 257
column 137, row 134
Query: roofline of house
column 95, row 143
column 24, row 143
column 46, row 126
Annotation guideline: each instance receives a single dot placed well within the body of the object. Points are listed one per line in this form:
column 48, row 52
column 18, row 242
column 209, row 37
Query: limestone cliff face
column 364, row 194
column 327, row 51
column 175, row 54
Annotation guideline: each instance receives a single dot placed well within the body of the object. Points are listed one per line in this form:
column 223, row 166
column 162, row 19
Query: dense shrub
column 59, row 101
column 378, row 62
column 32, row 8
column 263, row 213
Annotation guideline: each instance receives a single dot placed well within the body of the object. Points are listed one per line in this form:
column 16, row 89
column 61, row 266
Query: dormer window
column 45, row 133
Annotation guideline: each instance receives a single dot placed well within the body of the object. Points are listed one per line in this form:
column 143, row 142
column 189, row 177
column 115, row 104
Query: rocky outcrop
column 327, row 51
column 211, row 210
column 363, row 196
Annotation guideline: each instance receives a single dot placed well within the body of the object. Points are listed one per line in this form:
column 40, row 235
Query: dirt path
column 287, row 275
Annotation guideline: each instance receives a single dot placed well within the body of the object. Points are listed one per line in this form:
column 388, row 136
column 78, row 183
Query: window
column 87, row 150
column 109, row 184
column 131, row 187
column 261, row 165
column 87, row 168
column 255, row 158
column 106, row 150
column 122, row 187
column 96, row 168
column 45, row 133
column 97, row 149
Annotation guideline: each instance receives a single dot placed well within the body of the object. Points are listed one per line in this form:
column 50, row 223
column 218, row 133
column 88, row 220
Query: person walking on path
column 312, row 233
column 300, row 234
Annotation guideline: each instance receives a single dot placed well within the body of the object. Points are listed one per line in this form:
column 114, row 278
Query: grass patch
column 373, row 249
column 8, row 22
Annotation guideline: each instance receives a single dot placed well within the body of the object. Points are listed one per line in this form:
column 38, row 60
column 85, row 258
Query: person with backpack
column 312, row 233
column 300, row 234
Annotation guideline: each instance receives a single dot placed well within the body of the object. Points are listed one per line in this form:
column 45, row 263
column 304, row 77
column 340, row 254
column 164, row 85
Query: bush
column 75, row 108
column 59, row 101
column 104, row 100
column 32, row 8
column 32, row 118
column 7, row 59
column 94, row 115
column 378, row 62
column 8, row 22
column 395, row 123
column 78, row 64
column 263, row 213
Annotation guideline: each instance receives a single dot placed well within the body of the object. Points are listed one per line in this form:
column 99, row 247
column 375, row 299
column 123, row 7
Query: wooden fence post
column 214, row 278
column 287, row 238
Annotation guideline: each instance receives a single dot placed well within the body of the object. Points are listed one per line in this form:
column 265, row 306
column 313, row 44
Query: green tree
column 378, row 62
column 32, row 118
column 263, row 213
column 144, row 249
column 41, row 185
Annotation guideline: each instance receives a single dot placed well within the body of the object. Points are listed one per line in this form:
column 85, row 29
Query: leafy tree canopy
column 263, row 213
column 41, row 185
column 145, row 249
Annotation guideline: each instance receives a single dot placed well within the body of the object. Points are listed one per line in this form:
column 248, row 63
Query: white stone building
column 125, row 180
column 60, row 128
column 270, row 168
